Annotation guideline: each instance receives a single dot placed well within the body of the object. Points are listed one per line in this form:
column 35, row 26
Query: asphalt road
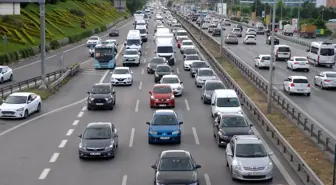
column 319, row 105
column 45, row 149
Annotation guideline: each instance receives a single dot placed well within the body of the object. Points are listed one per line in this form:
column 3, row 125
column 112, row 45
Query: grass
column 308, row 150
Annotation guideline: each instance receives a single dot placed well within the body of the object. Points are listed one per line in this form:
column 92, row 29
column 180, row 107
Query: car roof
column 223, row 93
column 264, row 55
column 213, row 81
column 282, row 46
column 121, row 68
column 99, row 125
column 163, row 65
column 247, row 139
column 298, row 77
column 164, row 112
column 333, row 72
column 21, row 94
column 3, row 66
column 102, row 84
column 161, row 85
column 298, row 57
column 170, row 76
column 131, row 49
column 175, row 153
column 186, row 41
column 232, row 115
column 181, row 30
column 205, row 69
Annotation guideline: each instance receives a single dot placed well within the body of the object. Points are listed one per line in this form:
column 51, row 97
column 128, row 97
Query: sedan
column 122, row 76
column 162, row 95
column 188, row 60
column 208, row 88
column 250, row 39
column 326, row 79
column 102, row 95
column 174, row 82
column 6, row 74
column 202, row 75
column 114, row 33
column 195, row 66
column 217, row 32
column 297, row 84
column 186, row 44
column 298, row 63
column 263, row 61
column 231, row 39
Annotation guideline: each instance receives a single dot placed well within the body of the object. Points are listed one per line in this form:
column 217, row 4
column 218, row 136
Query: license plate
column 164, row 138
column 99, row 104
column 7, row 114
column 255, row 173
column 299, row 89
column 162, row 105
column 302, row 63
column 95, row 153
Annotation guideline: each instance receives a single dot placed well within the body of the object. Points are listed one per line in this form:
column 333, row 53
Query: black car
column 114, row 33
column 99, row 140
column 196, row 65
column 160, row 71
column 175, row 167
column 102, row 95
column 217, row 32
column 194, row 18
column 226, row 126
column 208, row 88
column 269, row 40
column 154, row 63
column 189, row 51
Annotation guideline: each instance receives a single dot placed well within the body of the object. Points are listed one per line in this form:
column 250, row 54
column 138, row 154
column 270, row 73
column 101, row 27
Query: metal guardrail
column 306, row 174
column 70, row 72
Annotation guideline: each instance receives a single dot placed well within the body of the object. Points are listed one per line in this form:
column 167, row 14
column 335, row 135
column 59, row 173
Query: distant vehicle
column 6, row 74
column 217, row 32
column 297, row 85
column 161, row 70
column 209, row 87
column 326, row 79
column 269, row 40
column 122, row 76
column 104, row 56
column 114, row 33
column 231, row 39
column 197, row 65
column 202, row 75
column 250, row 39
column 161, row 95
column 189, row 59
column 298, row 63
column 175, row 83
column 93, row 40
column 131, row 57
column 154, row 63
column 263, row 61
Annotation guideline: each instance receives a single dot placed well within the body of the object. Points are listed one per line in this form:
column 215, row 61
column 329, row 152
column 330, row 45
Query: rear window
column 300, row 59
column 331, row 75
column 284, row 49
column 327, row 52
column 236, row 30
column 301, row 81
column 266, row 58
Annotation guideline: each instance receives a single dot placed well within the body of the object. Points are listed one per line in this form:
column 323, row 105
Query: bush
column 77, row 12
column 103, row 28
column 54, row 44
column 235, row 19
column 12, row 21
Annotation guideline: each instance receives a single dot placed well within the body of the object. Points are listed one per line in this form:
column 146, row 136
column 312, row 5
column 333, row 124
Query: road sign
column 263, row 14
column 9, row 8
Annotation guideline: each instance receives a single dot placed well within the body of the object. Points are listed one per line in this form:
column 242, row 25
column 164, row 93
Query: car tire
column 308, row 94
column 149, row 141
column 89, row 108
column 227, row 164
column 25, row 116
column 179, row 141
column 1, row 80
column 11, row 78
column 38, row 109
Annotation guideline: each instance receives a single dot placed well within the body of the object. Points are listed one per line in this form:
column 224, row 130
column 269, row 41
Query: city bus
column 104, row 56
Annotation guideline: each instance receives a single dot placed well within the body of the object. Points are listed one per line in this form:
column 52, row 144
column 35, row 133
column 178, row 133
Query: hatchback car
column 102, row 95
column 164, row 127
column 263, row 61
column 298, row 63
column 297, row 84
column 174, row 82
column 186, row 44
column 208, row 88
column 190, row 51
column 160, row 71
column 162, row 95
column 195, row 66
column 99, row 140
column 250, row 39
column 131, row 57
column 326, row 79
column 151, row 67
column 202, row 75
column 114, row 33
column 237, row 32
column 231, row 39
column 217, row 32
column 175, row 167
column 6, row 74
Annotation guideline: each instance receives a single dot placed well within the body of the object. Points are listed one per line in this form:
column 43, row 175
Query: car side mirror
column 229, row 154
column 215, row 114
column 241, row 104
column 80, row 135
column 154, row 166
column 212, row 104
column 198, row 166
column 251, row 125
column 154, row 52
column 115, row 130
column 181, row 122
column 29, row 101
column 88, row 92
column 113, row 92
column 181, row 82
column 150, row 92
column 147, row 123
column 270, row 153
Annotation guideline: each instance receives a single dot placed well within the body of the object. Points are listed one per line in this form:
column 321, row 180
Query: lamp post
column 256, row 10
column 298, row 20
column 221, row 44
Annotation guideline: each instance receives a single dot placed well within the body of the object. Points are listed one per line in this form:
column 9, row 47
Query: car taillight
column 276, row 52
column 292, row 85
column 308, row 85
column 296, row 62
column 318, row 59
column 261, row 60
column 327, row 80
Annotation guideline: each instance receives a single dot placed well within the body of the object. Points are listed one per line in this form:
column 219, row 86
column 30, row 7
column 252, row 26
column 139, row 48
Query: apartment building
column 331, row 3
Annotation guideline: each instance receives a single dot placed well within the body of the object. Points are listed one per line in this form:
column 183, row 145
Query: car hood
column 121, row 76
column 131, row 56
column 100, row 95
column 166, row 128
column 173, row 177
column 162, row 96
column 226, row 110
column 11, row 107
column 189, row 61
column 162, row 73
column 92, row 41
column 96, row 143
column 206, row 77
column 175, row 86
column 231, row 131
column 253, row 162
column 187, row 46
column 179, row 37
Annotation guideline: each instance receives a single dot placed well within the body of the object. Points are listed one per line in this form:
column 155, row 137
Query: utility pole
column 271, row 71
column 256, row 10
column 221, row 45
column 298, row 20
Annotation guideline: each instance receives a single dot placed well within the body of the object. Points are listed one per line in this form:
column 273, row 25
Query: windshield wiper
column 97, row 138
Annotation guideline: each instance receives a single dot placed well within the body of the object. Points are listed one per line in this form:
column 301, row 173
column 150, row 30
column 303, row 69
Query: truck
column 308, row 31
column 104, row 56
column 165, row 36
column 288, row 30
column 138, row 17
column 165, row 47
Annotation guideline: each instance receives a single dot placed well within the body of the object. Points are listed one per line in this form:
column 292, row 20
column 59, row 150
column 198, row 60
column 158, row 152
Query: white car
column 325, row 79
column 297, row 84
column 202, row 75
column 298, row 63
column 174, row 82
column 93, row 41
column 6, row 74
column 189, row 59
column 131, row 57
column 205, row 25
column 250, row 39
column 263, row 61
column 251, row 31
column 186, row 44
column 122, row 76
column 20, row 105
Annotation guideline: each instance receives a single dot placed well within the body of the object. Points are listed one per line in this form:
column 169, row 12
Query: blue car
column 164, row 127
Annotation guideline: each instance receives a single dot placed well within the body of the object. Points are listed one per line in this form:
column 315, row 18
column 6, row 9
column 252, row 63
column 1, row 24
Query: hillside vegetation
column 63, row 25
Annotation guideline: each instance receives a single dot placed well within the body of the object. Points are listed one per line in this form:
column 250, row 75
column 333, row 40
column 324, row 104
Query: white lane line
column 124, row 180
column 195, row 136
column 137, row 106
column 75, row 122
column 142, row 71
column 80, row 114
column 140, row 85
column 63, row 143
column 44, row 173
column 70, row 131
column 177, row 71
column 131, row 138
column 66, row 51
column 84, row 108
column 54, row 157
column 33, row 63
column 144, row 61
column 187, row 104
column 207, row 179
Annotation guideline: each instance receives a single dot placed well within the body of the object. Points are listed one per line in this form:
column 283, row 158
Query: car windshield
column 100, row 89
column 300, row 59
column 300, row 81
column 192, row 57
column 121, row 71
column 93, row 38
column 199, row 64
column 265, row 58
column 163, row 69
column 114, row 31
column 131, row 52
column 16, row 100
column 327, row 52
column 142, row 31
column 205, row 73
column 104, row 54
column 170, row 80
column 164, row 120
column 284, row 49
column 162, row 90
column 235, row 121
column 190, row 52
column 232, row 36
column 181, row 33
column 228, row 102
column 165, row 49
column 176, row 164
column 187, row 43
column 157, row 61
column 331, row 75
column 250, row 37
column 236, row 30
column 130, row 42
column 250, row 150
column 214, row 86
column 97, row 133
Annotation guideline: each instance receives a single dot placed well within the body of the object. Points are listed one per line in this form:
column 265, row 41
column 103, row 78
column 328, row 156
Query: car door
column 113, row 94
column 115, row 135
column 290, row 62
column 7, row 73
column 230, row 152
column 34, row 102
column 320, row 78
column 4, row 72
column 30, row 104
column 286, row 83
column 216, row 123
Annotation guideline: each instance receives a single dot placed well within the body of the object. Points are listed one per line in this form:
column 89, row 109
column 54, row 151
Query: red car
column 162, row 96
column 179, row 42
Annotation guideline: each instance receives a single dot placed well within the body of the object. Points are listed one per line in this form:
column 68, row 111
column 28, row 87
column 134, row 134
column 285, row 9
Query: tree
column 134, row 5
column 170, row 3
column 259, row 5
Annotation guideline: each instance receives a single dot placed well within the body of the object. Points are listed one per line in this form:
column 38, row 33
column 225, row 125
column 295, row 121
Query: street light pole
column 43, row 52
column 271, row 71
column 256, row 9
column 298, row 20
column 221, row 44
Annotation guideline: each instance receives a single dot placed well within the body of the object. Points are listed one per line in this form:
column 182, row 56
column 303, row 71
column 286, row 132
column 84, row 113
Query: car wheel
column 38, row 109
column 11, row 78
column 289, row 92
column 89, row 108
column 308, row 94
column 1, row 80
column 322, row 87
column 149, row 141
column 113, row 154
column 111, row 108
column 227, row 164
column 218, row 142
column 204, row 101
column 25, row 116
column 234, row 179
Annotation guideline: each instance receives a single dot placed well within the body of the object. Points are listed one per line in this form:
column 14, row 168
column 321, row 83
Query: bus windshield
column 104, row 54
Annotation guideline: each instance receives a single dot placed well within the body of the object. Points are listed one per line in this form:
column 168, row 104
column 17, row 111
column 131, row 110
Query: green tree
column 260, row 7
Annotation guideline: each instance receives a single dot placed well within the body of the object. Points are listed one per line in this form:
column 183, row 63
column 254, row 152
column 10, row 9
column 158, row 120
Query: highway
column 319, row 105
column 44, row 150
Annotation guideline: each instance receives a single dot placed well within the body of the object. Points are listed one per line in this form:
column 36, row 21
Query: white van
column 133, row 40
column 143, row 32
column 181, row 34
column 225, row 101
column 321, row 53
column 165, row 48
column 282, row 52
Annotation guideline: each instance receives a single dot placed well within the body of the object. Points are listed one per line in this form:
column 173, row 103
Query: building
column 321, row 3
column 331, row 3
column 286, row 2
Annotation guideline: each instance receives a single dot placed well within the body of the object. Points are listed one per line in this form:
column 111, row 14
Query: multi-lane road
column 44, row 149
column 319, row 105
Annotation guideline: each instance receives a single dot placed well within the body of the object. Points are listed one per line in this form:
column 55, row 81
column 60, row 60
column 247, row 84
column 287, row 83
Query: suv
column 102, row 95
column 160, row 71
column 131, row 56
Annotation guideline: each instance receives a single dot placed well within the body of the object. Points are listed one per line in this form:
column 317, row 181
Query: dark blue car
column 164, row 127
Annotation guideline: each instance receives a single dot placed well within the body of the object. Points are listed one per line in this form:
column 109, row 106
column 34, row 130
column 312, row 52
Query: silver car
column 208, row 88
column 326, row 79
column 131, row 57
column 248, row 159
column 231, row 39
column 202, row 75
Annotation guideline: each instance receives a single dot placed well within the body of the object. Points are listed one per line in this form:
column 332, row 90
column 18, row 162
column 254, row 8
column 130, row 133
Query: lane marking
column 54, row 157
column 195, row 136
column 144, row 61
column 75, row 122
column 187, row 104
column 63, row 143
column 70, row 131
column 124, row 180
column 66, row 51
column 80, row 114
column 207, row 179
column 38, row 61
column 142, row 71
column 137, row 106
column 44, row 173
column 140, row 85
column 177, row 71
column 84, row 108
column 131, row 138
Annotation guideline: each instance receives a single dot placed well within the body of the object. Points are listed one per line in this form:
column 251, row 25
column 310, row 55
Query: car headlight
column 172, row 97
column 152, row 132
column 152, row 97
column 81, row 146
column 237, row 166
column 129, row 78
column 208, row 95
column 179, row 88
column 108, row 99
column 269, row 166
column 176, row 132
column 111, row 145
column 240, row 112
column 148, row 66
column 112, row 79
column 20, row 109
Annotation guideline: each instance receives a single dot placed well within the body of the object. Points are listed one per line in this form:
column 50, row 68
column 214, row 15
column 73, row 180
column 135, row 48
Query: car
column 189, row 59
column 225, row 126
column 189, row 51
column 208, row 88
column 6, row 74
column 101, row 95
column 195, row 66
column 20, row 105
column 298, row 63
column 263, row 61
column 239, row 26
column 250, row 39
column 174, row 82
column 217, row 32
column 231, row 39
column 122, row 76
column 154, row 63
column 186, row 44
column 237, row 32
column 325, row 79
column 212, row 27
column 164, row 127
column 297, row 84
column 247, row 159
column 162, row 95
column 99, row 140
column 269, row 40
column 202, row 75
column 251, row 31
column 180, row 40
column 114, row 33
column 113, row 41
column 161, row 70
column 131, row 57
column 93, row 41
column 181, row 34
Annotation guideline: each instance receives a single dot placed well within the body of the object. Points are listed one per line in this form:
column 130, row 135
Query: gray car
column 189, row 51
column 154, row 63
column 195, row 66
column 208, row 88
column 160, row 71
column 231, row 39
